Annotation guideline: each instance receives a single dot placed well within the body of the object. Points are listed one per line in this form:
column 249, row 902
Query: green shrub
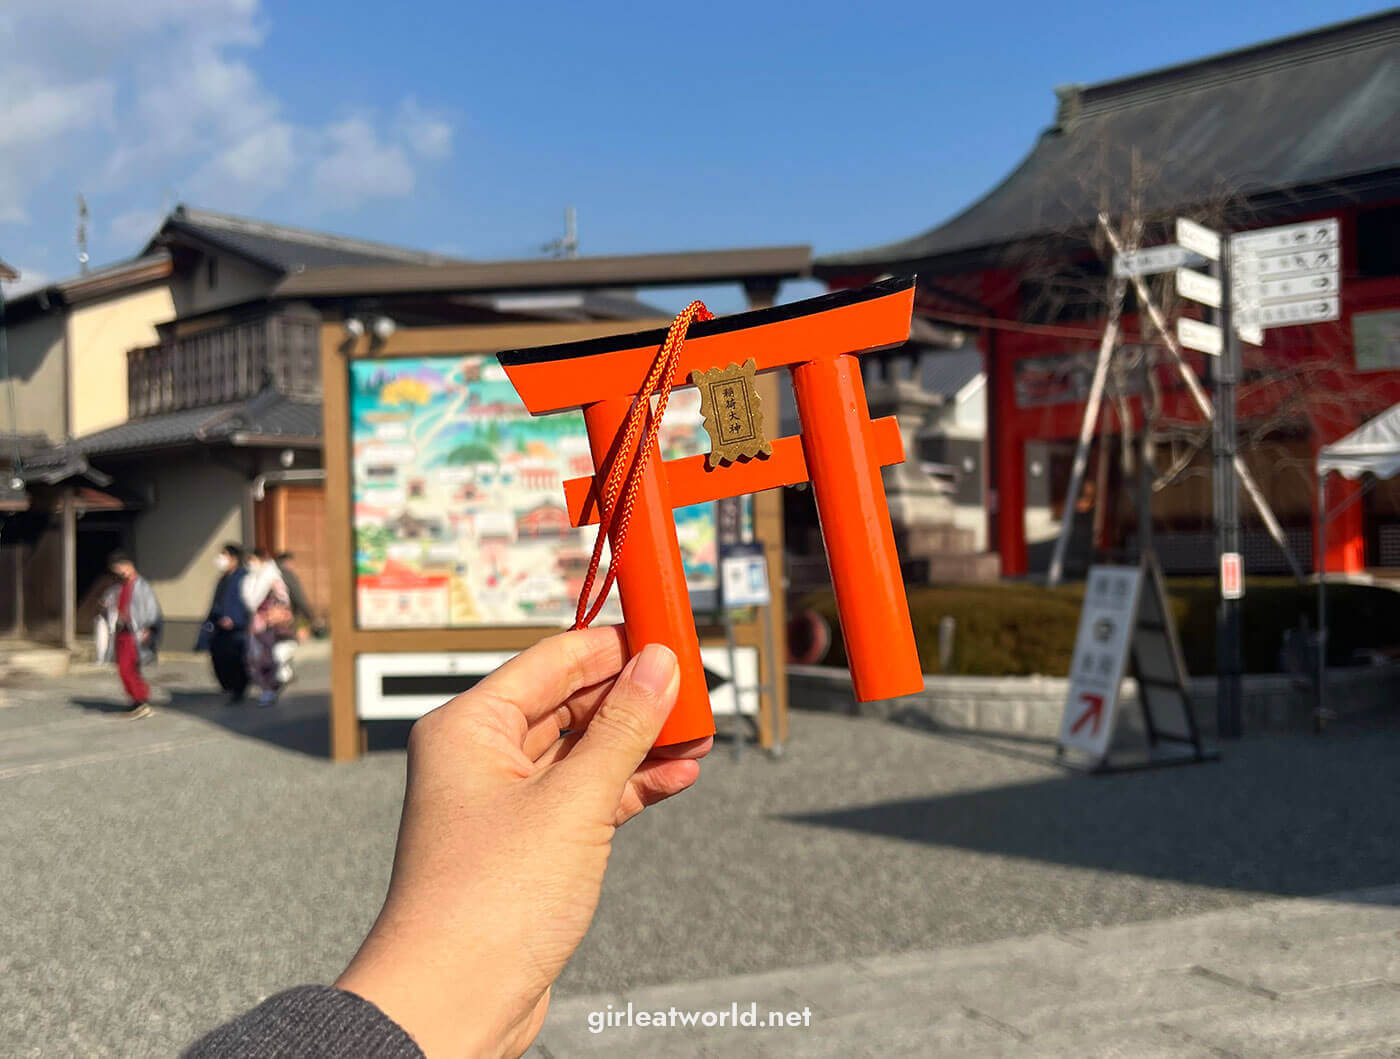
column 1016, row 629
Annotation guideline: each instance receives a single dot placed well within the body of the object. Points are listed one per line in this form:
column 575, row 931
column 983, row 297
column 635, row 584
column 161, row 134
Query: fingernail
column 655, row 667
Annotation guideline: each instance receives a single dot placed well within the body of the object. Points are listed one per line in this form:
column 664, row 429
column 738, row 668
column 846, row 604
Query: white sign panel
column 1100, row 656
column 1252, row 334
column 1198, row 238
column 744, row 578
column 1154, row 259
column 1286, row 275
column 1198, row 287
column 1195, row 335
column 1308, row 235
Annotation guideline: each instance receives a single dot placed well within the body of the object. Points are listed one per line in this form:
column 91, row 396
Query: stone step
column 926, row 541
column 952, row 568
column 29, row 663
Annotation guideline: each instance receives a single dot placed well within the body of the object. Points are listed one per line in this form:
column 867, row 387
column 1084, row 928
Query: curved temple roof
column 1314, row 111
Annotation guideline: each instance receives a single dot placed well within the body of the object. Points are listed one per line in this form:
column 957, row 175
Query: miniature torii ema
column 840, row 450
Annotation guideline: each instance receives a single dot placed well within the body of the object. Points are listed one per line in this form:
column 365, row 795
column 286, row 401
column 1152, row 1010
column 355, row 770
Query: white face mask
column 224, row 562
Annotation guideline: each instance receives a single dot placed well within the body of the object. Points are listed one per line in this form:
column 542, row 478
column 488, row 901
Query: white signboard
column 1286, row 275
column 1106, row 627
column 1198, row 238
column 743, row 576
column 1251, row 333
column 1154, row 259
column 1195, row 335
column 1198, row 287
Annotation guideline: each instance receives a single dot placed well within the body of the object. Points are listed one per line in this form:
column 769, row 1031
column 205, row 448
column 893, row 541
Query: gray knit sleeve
column 308, row 1022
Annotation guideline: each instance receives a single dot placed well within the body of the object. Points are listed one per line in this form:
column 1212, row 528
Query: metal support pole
column 1320, row 691
column 737, row 725
column 1144, row 482
column 1225, row 371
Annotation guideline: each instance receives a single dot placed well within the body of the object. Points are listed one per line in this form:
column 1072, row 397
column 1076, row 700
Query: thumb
column 624, row 727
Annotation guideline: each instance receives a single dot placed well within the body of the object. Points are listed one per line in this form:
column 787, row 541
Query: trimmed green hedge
column 1017, row 629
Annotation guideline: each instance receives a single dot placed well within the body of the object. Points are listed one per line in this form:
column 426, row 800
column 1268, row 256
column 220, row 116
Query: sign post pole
column 1225, row 371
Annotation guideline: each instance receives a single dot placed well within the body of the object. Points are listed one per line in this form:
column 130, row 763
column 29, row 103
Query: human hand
column 505, row 837
column 226, row 623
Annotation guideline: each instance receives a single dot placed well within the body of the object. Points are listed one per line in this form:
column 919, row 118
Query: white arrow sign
column 1198, row 287
column 1286, row 275
column 1198, row 238
column 1154, row 259
column 1311, row 235
column 1195, row 335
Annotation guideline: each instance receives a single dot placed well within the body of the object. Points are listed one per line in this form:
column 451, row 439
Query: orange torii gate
column 840, row 451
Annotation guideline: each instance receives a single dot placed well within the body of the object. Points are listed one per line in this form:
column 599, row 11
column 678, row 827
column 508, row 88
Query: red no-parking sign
column 1231, row 575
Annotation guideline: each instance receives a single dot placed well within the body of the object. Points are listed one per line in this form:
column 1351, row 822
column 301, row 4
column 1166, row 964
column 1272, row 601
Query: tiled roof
column 283, row 248
column 268, row 415
column 946, row 373
column 1309, row 114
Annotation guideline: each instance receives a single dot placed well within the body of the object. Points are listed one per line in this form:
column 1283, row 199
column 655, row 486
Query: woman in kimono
column 270, row 623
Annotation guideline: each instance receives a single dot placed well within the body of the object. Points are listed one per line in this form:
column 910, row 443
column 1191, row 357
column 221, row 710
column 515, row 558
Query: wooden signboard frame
column 348, row 641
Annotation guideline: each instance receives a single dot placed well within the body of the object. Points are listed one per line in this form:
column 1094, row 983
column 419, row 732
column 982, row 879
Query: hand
column 505, row 837
column 145, row 636
column 226, row 623
column 302, row 633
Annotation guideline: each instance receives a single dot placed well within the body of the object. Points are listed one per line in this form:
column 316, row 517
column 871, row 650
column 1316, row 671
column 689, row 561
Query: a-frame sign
column 1126, row 627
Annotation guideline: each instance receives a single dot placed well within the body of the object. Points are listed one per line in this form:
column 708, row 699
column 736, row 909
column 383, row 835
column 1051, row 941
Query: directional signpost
column 1154, row 259
column 1287, row 275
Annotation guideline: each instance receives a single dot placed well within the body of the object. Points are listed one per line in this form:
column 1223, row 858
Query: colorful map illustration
column 458, row 493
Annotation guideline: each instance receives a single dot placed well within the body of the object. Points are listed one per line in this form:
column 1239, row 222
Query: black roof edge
column 718, row 326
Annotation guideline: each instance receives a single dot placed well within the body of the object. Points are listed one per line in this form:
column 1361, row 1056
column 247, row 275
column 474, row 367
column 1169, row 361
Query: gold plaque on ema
column 733, row 412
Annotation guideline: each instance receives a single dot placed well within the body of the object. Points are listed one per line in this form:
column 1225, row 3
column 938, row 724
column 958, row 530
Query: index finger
column 540, row 678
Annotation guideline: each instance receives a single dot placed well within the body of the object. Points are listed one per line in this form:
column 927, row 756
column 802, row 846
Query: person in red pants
column 133, row 619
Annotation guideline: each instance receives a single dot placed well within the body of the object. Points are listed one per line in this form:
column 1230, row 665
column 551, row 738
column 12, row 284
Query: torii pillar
column 840, row 451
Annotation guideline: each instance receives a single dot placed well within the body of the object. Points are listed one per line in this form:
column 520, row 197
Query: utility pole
column 82, row 234
column 1225, row 375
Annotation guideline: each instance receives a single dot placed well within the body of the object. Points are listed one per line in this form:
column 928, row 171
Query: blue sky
column 467, row 128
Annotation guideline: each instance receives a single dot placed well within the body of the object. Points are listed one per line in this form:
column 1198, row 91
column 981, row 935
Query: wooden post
column 69, row 517
column 339, row 545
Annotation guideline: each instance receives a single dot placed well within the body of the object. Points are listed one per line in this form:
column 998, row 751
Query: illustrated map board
column 1125, row 627
column 458, row 496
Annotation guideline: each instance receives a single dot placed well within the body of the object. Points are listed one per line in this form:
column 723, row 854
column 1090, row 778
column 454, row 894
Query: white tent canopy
column 1372, row 448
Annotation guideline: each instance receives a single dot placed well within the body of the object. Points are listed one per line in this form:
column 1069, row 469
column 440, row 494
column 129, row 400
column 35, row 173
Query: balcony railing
column 226, row 363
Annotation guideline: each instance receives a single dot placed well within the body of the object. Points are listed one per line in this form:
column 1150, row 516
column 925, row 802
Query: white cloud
column 129, row 101
column 428, row 135
column 357, row 165
column 29, row 279
column 134, row 227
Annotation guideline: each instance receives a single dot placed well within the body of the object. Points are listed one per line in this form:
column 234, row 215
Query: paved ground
column 161, row 875
column 1292, row 977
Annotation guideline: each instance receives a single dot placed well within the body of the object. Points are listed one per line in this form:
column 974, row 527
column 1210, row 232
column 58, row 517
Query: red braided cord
column 623, row 477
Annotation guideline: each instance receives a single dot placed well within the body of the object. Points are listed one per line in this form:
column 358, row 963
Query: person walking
column 301, row 612
column 132, row 620
column 270, row 623
column 301, row 603
column 225, row 631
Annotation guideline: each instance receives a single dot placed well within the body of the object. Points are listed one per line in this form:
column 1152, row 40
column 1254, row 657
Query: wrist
column 447, row 1005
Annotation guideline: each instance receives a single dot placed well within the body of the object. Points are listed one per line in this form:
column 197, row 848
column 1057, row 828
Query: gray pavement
column 160, row 875
column 1290, row 977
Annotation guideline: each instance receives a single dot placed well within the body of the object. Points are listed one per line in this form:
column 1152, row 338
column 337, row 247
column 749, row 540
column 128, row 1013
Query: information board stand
column 396, row 651
column 1126, row 627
